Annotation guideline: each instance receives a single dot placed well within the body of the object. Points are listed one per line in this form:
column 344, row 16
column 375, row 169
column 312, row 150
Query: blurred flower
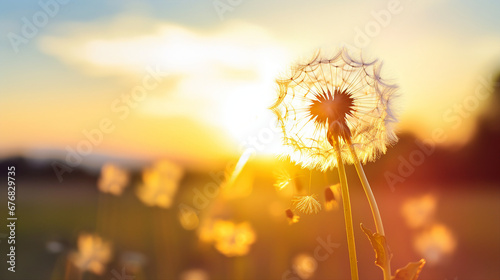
column 292, row 218
column 229, row 238
column 435, row 243
column 304, row 265
column 188, row 218
column 419, row 212
column 160, row 184
column 332, row 194
column 93, row 254
column 133, row 261
column 342, row 97
column 306, row 203
column 55, row 246
column 195, row 274
column 113, row 179
column 283, row 179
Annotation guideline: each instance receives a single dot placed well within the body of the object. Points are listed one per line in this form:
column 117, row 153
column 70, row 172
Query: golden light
column 113, row 179
column 419, row 212
column 188, row 218
column 229, row 238
column 223, row 79
column 435, row 243
column 160, row 184
column 304, row 265
column 291, row 217
column 242, row 161
column 195, row 274
column 93, row 254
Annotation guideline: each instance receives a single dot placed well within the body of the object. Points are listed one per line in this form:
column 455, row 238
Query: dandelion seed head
column 339, row 96
column 307, row 204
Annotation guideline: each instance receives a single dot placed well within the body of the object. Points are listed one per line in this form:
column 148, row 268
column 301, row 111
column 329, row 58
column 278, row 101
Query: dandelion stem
column 346, row 203
column 373, row 205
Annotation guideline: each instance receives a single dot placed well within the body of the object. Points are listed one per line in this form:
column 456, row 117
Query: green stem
column 347, row 212
column 373, row 205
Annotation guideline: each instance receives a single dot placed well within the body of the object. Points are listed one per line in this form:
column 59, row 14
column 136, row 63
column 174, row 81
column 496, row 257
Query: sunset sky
column 192, row 80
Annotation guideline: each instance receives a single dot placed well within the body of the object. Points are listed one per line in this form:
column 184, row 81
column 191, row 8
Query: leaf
column 379, row 244
column 410, row 271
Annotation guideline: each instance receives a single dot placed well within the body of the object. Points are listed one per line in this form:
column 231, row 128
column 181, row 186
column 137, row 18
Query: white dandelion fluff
column 337, row 99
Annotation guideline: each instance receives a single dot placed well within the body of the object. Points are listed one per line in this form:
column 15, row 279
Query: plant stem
column 346, row 203
column 373, row 205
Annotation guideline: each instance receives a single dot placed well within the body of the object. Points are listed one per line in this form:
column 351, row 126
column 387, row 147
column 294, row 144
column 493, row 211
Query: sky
column 192, row 80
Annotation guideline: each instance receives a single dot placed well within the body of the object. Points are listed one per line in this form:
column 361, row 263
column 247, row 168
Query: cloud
column 225, row 75
column 222, row 77
column 103, row 49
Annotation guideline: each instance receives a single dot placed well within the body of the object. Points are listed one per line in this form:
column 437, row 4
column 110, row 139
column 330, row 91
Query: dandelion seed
column 307, row 204
column 340, row 97
column 292, row 218
column 283, row 179
column 93, row 254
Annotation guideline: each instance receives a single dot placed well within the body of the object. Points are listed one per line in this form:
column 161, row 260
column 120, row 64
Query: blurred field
column 51, row 211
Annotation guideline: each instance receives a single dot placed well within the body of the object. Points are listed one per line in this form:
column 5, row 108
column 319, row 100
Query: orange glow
column 283, row 179
column 189, row 219
column 93, row 254
column 419, row 212
column 239, row 166
column 229, row 238
column 332, row 203
column 292, row 218
column 195, row 274
column 160, row 184
column 253, row 144
column 304, row 265
column 435, row 243
column 113, row 179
